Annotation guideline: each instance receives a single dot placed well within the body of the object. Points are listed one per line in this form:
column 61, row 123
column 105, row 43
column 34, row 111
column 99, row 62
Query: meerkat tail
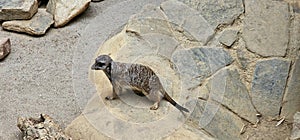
column 169, row 99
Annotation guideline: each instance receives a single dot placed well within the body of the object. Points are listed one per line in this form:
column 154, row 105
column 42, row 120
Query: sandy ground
column 37, row 75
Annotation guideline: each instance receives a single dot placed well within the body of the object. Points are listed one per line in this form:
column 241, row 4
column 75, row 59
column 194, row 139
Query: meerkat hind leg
column 155, row 96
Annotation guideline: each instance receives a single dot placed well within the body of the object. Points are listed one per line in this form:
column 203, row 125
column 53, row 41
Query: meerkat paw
column 110, row 98
column 154, row 106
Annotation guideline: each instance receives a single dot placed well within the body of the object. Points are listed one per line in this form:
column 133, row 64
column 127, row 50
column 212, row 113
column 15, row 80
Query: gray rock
column 37, row 25
column 149, row 21
column 189, row 19
column 268, row 85
column 41, row 128
column 244, row 57
column 5, row 47
column 217, row 12
column 65, row 10
column 232, row 94
column 296, row 127
column 218, row 121
column 198, row 63
column 291, row 100
column 17, row 9
column 228, row 37
column 261, row 35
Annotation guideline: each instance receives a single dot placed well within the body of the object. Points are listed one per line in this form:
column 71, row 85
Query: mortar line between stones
column 226, row 107
column 291, row 19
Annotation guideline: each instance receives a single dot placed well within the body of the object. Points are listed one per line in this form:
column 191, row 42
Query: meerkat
column 136, row 77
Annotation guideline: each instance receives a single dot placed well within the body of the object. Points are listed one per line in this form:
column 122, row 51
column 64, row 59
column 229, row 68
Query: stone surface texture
column 189, row 19
column 43, row 127
column 296, row 127
column 261, row 35
column 5, row 47
column 228, row 37
column 291, row 102
column 217, row 12
column 17, row 9
column 37, row 25
column 64, row 10
column 268, row 85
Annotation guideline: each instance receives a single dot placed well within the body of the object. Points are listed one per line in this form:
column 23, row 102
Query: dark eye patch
column 100, row 64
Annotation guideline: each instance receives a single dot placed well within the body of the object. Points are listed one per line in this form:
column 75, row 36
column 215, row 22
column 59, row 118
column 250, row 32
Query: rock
column 268, row 85
column 232, row 93
column 291, row 100
column 5, row 47
column 41, row 128
column 244, row 57
column 261, row 35
column 217, row 121
column 217, row 12
column 296, row 127
column 202, row 62
column 189, row 19
column 17, row 9
column 228, row 37
column 37, row 25
column 64, row 10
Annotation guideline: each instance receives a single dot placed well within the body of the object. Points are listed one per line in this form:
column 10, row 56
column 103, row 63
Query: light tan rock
column 5, row 47
column 38, row 25
column 65, row 10
column 18, row 9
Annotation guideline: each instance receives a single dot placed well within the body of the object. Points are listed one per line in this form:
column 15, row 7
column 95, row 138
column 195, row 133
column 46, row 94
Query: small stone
column 5, row 47
column 65, row 10
column 37, row 25
column 291, row 100
column 268, row 85
column 191, row 20
column 296, row 127
column 261, row 34
column 228, row 37
column 17, row 9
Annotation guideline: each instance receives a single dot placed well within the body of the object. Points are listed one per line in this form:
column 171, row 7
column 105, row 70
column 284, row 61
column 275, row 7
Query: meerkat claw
column 154, row 106
column 109, row 98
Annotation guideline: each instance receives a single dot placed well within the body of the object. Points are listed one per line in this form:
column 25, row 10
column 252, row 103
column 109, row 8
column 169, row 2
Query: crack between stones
column 230, row 110
column 291, row 69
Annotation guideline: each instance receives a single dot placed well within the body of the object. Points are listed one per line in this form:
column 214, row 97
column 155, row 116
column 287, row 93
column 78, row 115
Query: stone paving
column 232, row 63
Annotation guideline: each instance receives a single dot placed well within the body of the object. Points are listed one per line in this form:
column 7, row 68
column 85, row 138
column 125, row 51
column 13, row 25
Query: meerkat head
column 102, row 62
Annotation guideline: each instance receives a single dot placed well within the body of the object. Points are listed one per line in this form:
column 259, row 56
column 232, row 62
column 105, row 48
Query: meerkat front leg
column 116, row 90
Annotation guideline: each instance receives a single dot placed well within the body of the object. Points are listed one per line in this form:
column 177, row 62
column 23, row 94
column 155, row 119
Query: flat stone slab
column 261, row 35
column 217, row 12
column 5, row 47
column 232, row 93
column 37, row 25
column 196, row 64
column 17, row 9
column 296, row 127
column 291, row 100
column 191, row 20
column 218, row 121
column 228, row 37
column 65, row 10
column 268, row 85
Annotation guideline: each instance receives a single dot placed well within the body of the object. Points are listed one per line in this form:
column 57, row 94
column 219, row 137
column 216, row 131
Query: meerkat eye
column 101, row 64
